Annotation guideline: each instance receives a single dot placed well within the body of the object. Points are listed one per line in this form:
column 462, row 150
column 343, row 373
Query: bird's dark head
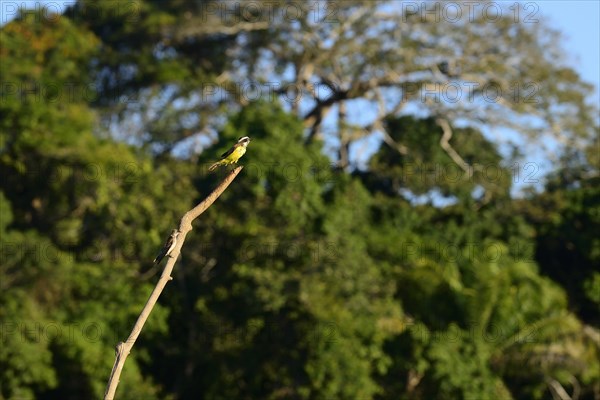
column 244, row 140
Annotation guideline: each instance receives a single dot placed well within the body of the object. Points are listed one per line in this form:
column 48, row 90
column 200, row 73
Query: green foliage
column 81, row 218
column 288, row 278
column 427, row 167
column 303, row 281
column 567, row 247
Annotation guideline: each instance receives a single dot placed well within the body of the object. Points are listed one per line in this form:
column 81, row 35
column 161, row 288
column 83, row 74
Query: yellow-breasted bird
column 232, row 155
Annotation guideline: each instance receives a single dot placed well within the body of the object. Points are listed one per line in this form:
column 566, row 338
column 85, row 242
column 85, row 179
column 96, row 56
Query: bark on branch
column 445, row 143
column 185, row 225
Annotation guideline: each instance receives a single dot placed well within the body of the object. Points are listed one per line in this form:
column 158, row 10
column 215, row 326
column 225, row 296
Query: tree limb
column 199, row 27
column 445, row 143
column 557, row 391
column 185, row 225
column 378, row 124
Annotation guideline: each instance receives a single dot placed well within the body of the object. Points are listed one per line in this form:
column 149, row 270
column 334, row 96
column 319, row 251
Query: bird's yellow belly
column 237, row 153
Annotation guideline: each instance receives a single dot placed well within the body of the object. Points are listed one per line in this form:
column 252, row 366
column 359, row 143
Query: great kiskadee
column 168, row 247
column 232, row 155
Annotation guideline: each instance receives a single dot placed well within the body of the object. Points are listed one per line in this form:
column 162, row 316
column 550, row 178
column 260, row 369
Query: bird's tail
column 214, row 166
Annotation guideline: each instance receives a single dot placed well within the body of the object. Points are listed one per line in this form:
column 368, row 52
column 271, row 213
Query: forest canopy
column 394, row 234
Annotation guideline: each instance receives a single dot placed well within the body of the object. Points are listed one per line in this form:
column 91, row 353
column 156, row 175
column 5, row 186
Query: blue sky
column 579, row 21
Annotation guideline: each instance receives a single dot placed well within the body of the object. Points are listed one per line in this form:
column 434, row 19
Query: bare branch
column 202, row 28
column 185, row 225
column 378, row 124
column 388, row 139
column 576, row 387
column 445, row 143
column 557, row 391
column 592, row 333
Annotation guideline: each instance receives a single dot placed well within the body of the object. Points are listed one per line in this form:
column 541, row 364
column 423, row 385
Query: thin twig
column 185, row 225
